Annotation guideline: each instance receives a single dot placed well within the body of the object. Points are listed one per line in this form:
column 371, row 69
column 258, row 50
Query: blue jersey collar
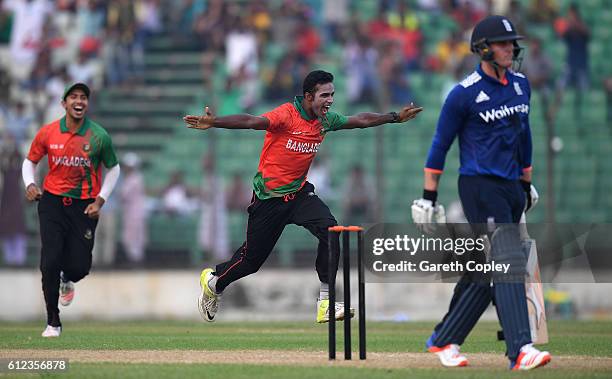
column 490, row 79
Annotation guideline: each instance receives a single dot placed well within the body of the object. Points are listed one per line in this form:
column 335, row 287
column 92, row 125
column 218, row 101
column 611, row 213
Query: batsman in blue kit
column 489, row 112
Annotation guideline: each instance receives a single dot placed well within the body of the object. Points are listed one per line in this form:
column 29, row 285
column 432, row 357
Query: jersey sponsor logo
column 302, row 147
column 71, row 161
column 296, row 133
column 473, row 78
column 56, row 146
column 502, row 112
column 517, row 89
column 482, row 96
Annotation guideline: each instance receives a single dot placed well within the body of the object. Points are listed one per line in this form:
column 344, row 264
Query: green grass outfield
column 584, row 350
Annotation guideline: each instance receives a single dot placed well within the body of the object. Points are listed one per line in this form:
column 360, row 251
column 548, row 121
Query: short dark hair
column 314, row 78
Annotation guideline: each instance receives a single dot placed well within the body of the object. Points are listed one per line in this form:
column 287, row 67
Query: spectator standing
column 576, row 35
column 359, row 197
column 543, row 11
column 175, row 197
column 452, row 52
column 132, row 196
column 361, row 66
column 319, row 176
column 82, row 70
column 539, row 69
column 6, row 24
column 213, row 233
column 12, row 217
column 395, row 87
column 26, row 35
column 608, row 89
column 335, row 19
column 238, row 194
column 17, row 122
column 242, row 61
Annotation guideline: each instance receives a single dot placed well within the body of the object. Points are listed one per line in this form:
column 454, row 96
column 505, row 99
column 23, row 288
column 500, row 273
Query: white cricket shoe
column 449, row 355
column 323, row 311
column 66, row 291
column 208, row 302
column 530, row 358
column 52, row 331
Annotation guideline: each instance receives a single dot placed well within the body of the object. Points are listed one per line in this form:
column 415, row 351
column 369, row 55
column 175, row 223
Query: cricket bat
column 533, row 289
column 535, row 295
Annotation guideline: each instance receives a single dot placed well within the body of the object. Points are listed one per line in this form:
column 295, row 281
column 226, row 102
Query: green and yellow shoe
column 323, row 311
column 208, row 302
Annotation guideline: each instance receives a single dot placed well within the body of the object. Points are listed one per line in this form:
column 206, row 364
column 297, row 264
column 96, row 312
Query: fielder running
column 281, row 194
column 69, row 207
column 489, row 112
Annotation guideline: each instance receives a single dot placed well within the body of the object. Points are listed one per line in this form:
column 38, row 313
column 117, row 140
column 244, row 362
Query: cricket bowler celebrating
column 281, row 193
column 489, row 112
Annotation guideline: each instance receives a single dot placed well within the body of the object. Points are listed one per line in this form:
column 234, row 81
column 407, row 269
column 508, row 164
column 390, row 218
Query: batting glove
column 531, row 193
column 425, row 212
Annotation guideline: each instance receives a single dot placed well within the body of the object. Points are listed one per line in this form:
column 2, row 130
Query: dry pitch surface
column 299, row 358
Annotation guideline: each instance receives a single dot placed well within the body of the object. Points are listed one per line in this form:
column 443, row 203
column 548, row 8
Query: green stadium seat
column 175, row 234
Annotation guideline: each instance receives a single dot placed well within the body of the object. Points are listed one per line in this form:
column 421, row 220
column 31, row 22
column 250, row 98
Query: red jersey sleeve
column 279, row 118
column 38, row 149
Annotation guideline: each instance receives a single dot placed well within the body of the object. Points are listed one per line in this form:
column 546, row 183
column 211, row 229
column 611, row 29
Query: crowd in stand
column 266, row 47
column 377, row 53
column 46, row 44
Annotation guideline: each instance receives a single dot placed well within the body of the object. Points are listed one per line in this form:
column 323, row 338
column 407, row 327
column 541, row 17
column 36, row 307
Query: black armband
column 395, row 115
column 430, row 195
column 526, row 186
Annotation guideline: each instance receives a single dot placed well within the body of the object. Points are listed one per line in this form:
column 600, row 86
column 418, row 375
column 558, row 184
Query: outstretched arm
column 239, row 121
column 367, row 120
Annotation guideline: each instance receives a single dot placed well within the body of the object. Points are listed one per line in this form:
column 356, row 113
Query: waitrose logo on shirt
column 71, row 161
column 502, row 112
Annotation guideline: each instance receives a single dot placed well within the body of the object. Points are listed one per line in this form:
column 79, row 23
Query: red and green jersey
column 74, row 158
column 291, row 143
